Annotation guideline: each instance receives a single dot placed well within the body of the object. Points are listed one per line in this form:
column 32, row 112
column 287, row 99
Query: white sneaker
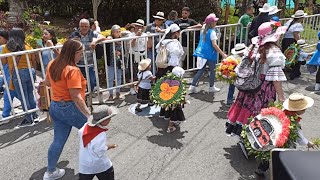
column 57, row 174
column 214, row 89
column 192, row 89
column 317, row 87
column 132, row 91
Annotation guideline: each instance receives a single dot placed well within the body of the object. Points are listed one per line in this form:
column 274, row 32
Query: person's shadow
column 165, row 139
column 70, row 174
column 243, row 166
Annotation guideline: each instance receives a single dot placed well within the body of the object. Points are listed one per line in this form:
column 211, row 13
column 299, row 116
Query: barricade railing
column 131, row 52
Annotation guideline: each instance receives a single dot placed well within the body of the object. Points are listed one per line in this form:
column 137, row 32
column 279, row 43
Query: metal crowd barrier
column 227, row 38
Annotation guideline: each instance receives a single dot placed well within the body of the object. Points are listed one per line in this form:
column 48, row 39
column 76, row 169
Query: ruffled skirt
column 249, row 104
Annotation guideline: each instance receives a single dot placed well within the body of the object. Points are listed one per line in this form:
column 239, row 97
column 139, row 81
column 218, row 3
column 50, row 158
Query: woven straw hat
column 297, row 102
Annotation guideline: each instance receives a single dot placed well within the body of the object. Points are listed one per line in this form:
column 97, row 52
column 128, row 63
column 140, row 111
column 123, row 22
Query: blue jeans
column 27, row 88
column 65, row 115
column 7, row 107
column 111, row 78
column 230, row 93
column 212, row 76
column 92, row 76
column 1, row 83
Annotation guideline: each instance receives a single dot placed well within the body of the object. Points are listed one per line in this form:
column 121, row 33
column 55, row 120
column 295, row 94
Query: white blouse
column 296, row 27
column 275, row 62
column 175, row 51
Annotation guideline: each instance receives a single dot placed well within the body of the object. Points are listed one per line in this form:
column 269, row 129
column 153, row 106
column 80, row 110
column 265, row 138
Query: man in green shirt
column 245, row 20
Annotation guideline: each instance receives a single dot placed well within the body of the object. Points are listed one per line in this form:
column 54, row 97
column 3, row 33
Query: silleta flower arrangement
column 292, row 54
column 225, row 71
column 279, row 132
column 169, row 91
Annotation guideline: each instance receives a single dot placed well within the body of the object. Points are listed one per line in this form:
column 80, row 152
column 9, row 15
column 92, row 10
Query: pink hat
column 211, row 18
column 269, row 32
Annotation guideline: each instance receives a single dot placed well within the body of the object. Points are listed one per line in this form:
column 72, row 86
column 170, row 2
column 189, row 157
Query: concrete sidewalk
column 199, row 149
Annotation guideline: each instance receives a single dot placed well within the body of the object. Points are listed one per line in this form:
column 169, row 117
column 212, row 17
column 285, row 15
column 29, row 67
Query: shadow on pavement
column 165, row 139
column 203, row 96
column 243, row 166
column 70, row 175
column 18, row 135
column 223, row 111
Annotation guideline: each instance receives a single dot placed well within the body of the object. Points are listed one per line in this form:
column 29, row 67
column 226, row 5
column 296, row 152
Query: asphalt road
column 198, row 150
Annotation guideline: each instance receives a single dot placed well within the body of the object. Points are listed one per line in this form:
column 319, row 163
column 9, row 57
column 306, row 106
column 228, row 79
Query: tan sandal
column 171, row 129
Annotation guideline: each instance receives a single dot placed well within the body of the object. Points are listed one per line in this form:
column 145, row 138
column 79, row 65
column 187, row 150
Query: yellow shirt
column 22, row 64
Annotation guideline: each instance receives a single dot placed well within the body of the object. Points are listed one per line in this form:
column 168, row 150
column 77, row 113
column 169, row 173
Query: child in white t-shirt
column 93, row 159
column 145, row 77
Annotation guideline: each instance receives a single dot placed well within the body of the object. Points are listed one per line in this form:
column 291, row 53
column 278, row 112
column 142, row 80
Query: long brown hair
column 264, row 49
column 65, row 58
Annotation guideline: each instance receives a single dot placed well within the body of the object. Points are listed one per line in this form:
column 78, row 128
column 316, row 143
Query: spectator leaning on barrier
column 137, row 51
column 16, row 43
column 244, row 21
column 114, row 61
column 89, row 39
column 158, row 26
column 257, row 21
column 4, row 36
column 68, row 108
column 49, row 39
column 185, row 22
column 172, row 17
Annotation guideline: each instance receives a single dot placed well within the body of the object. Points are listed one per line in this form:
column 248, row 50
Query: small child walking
column 93, row 160
column 176, row 114
column 237, row 53
column 296, row 105
column 145, row 77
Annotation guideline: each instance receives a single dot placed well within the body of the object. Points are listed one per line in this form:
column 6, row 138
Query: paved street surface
column 198, row 150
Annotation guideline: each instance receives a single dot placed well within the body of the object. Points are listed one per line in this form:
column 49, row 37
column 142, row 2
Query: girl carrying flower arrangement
column 225, row 72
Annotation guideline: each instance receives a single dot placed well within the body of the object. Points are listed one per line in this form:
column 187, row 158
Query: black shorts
column 143, row 95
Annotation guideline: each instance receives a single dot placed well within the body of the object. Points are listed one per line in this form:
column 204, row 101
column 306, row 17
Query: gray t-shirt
column 152, row 29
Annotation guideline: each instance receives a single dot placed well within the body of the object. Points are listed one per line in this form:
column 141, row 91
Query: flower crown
column 275, row 26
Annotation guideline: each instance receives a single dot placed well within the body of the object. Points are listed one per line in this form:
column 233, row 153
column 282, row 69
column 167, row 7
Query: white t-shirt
column 93, row 158
column 145, row 82
column 213, row 35
column 296, row 27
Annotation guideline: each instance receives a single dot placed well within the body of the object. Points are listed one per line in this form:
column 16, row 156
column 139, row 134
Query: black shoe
column 138, row 109
column 26, row 123
column 36, row 118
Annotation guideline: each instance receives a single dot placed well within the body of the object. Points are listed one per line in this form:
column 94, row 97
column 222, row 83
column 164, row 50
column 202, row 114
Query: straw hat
column 159, row 15
column 239, row 48
column 301, row 42
column 298, row 102
column 266, row 8
column 139, row 22
column 269, row 32
column 299, row 14
column 274, row 10
column 144, row 64
column 101, row 113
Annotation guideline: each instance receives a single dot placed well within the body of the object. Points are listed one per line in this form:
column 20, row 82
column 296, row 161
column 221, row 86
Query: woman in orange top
column 16, row 43
column 67, row 108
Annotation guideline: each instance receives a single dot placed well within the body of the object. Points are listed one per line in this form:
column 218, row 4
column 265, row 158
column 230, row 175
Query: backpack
column 162, row 56
column 248, row 74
